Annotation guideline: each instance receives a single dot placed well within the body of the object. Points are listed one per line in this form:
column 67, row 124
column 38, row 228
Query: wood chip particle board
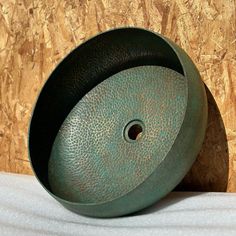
column 36, row 35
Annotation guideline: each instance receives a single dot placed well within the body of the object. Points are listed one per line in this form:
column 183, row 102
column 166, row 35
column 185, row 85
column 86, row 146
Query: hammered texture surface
column 91, row 161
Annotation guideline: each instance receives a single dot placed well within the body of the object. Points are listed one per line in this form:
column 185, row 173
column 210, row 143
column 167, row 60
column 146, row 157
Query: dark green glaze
column 86, row 71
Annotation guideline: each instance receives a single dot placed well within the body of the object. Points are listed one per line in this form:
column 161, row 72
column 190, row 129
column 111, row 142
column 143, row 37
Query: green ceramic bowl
column 118, row 124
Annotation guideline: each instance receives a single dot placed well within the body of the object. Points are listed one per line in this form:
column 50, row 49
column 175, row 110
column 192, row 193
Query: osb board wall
column 36, row 35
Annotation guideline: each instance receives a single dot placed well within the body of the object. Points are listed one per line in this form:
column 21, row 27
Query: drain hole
column 135, row 132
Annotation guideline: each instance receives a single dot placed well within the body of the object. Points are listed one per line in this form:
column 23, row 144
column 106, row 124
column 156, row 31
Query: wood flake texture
column 36, row 35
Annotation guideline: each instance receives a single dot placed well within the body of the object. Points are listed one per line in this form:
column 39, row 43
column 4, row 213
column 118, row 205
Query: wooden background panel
column 36, row 35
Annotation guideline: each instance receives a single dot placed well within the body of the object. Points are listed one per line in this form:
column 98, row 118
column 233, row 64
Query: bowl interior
column 118, row 134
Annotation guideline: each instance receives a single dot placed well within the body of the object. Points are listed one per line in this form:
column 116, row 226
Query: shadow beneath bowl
column 171, row 199
column 210, row 170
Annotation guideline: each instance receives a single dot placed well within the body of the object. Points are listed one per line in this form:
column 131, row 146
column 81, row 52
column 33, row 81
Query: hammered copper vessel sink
column 118, row 123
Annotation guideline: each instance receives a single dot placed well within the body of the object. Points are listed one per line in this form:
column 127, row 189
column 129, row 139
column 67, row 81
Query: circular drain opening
column 134, row 131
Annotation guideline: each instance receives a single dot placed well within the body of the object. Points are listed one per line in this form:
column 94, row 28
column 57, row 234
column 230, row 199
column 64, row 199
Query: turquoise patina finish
column 118, row 123
column 93, row 159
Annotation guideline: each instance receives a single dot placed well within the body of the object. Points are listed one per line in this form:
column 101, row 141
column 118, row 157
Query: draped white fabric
column 27, row 209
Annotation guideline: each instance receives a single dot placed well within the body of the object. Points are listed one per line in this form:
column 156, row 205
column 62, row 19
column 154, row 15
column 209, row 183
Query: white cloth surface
column 27, row 209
